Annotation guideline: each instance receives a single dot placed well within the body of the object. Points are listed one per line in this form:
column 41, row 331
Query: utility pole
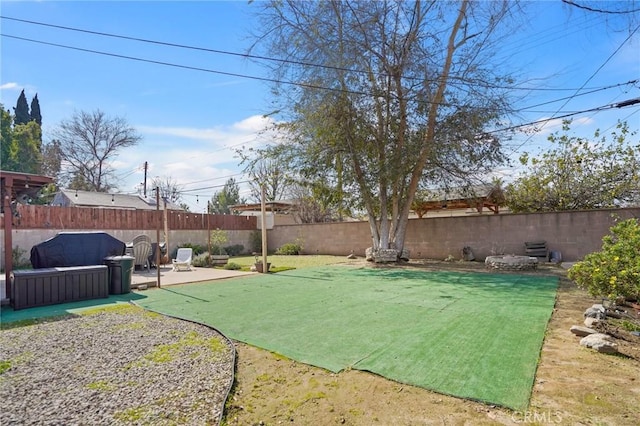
column 146, row 167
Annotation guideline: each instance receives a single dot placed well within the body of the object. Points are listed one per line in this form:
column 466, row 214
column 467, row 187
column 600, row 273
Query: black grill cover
column 75, row 249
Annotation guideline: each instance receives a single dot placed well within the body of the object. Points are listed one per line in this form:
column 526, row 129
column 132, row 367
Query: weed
column 4, row 366
column 101, row 385
column 130, row 415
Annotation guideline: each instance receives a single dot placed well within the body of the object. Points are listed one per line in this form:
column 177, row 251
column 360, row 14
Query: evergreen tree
column 35, row 110
column 6, row 143
column 26, row 148
column 21, row 110
column 229, row 196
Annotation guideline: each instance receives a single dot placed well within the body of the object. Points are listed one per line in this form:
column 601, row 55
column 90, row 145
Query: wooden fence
column 46, row 217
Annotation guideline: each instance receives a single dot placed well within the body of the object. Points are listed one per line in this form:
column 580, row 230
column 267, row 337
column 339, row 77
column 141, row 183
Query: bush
column 218, row 250
column 289, row 249
column 197, row 249
column 232, row 266
column 203, row 260
column 17, row 258
column 234, row 250
column 614, row 271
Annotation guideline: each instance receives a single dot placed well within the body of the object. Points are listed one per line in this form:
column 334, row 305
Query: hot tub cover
column 75, row 249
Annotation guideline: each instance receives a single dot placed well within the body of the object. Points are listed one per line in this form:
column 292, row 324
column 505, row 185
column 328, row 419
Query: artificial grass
column 472, row 335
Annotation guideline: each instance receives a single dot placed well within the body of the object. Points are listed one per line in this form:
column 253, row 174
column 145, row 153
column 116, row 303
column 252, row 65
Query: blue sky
column 192, row 121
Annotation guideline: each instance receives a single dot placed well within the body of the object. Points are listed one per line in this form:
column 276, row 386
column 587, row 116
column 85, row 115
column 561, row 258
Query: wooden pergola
column 491, row 199
column 15, row 187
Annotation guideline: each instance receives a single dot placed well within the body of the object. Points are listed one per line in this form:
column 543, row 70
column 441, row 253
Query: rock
column 590, row 321
column 368, row 254
column 600, row 342
column 596, row 311
column 467, row 254
column 581, row 331
column 404, row 254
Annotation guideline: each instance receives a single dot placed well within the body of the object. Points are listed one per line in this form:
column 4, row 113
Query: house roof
column 78, row 198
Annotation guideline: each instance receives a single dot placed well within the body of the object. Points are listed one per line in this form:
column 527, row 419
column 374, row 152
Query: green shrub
column 218, row 250
column 614, row 271
column 197, row 249
column 217, row 238
column 234, row 250
column 203, row 260
column 289, row 249
column 232, row 266
column 17, row 258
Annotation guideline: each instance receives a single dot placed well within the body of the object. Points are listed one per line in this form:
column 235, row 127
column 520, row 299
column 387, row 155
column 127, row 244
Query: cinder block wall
column 574, row 234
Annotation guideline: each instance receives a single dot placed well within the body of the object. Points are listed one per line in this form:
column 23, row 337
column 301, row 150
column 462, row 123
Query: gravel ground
column 114, row 366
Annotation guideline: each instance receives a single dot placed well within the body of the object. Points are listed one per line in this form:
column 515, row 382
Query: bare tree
column 88, row 144
column 270, row 172
column 169, row 188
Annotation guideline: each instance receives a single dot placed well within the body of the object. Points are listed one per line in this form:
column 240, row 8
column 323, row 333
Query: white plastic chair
column 183, row 259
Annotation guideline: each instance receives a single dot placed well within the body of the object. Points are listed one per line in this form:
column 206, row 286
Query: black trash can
column 120, row 269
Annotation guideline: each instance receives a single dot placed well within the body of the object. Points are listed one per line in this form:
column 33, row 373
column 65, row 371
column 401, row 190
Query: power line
column 581, row 94
column 593, row 9
column 623, row 104
column 554, row 115
column 236, row 54
column 170, row 64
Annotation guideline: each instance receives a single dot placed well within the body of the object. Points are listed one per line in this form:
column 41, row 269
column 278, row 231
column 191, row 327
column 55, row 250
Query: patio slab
column 170, row 277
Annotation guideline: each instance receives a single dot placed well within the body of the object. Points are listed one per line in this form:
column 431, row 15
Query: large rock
column 590, row 322
column 383, row 255
column 600, row 342
column 596, row 311
column 581, row 331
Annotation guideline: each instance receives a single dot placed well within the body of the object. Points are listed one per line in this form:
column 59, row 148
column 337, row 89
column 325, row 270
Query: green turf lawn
column 472, row 335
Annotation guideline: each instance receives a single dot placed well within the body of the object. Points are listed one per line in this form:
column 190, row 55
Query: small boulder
column 581, row 331
column 600, row 342
column 596, row 311
column 591, row 322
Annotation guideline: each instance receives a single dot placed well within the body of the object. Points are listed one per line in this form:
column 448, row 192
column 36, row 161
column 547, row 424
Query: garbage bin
column 120, row 269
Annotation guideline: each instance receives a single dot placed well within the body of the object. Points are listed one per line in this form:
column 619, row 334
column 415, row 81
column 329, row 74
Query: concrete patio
column 170, row 277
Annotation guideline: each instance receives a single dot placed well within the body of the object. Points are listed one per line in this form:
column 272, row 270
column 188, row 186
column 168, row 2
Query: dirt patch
column 573, row 385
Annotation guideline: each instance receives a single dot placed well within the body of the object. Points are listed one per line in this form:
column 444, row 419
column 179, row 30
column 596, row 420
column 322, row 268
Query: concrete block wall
column 573, row 234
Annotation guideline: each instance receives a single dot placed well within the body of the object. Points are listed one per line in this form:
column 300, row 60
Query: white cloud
column 9, row 86
column 553, row 124
column 246, row 129
column 199, row 157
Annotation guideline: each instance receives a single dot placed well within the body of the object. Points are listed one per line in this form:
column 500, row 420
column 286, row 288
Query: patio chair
column 141, row 251
column 183, row 259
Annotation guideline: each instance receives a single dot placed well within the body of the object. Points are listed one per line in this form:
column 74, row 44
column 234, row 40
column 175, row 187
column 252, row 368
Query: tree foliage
column 21, row 110
column 228, row 196
column 21, row 144
column 399, row 96
column 580, row 173
column 615, row 270
column 26, row 154
column 51, row 159
column 35, row 114
column 89, row 142
column 6, row 143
